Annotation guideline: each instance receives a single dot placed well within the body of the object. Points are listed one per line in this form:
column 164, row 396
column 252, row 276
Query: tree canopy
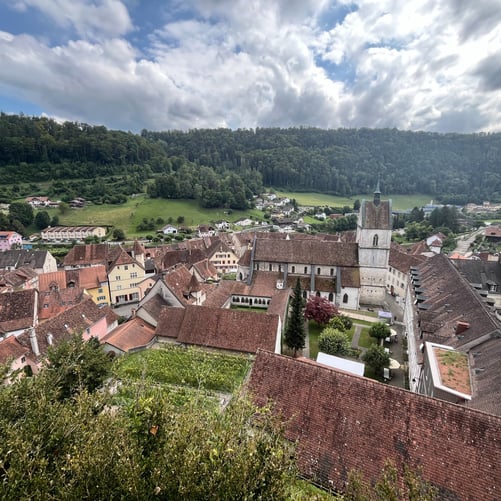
column 451, row 168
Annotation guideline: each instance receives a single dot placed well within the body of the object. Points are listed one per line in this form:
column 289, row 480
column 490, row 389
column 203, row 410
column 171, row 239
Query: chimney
column 34, row 342
column 461, row 327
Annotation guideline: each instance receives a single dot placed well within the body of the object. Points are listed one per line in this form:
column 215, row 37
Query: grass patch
column 365, row 340
column 129, row 215
column 188, row 367
column 399, row 202
column 314, row 331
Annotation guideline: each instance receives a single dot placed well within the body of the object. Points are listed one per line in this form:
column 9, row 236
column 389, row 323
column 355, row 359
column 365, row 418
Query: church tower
column 374, row 240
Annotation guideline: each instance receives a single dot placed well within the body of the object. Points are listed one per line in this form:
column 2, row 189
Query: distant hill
column 454, row 168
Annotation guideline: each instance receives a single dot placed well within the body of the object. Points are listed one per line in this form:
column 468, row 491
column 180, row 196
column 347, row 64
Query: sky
column 429, row 65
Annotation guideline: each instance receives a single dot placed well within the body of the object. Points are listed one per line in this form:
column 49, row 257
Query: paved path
column 356, row 336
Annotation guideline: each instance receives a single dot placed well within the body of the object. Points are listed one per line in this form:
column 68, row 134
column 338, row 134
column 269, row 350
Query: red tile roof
column 306, row 251
column 234, row 330
column 134, row 334
column 11, row 349
column 343, row 422
column 17, row 310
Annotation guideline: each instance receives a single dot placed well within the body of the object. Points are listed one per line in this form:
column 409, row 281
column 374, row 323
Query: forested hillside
column 452, row 167
column 217, row 165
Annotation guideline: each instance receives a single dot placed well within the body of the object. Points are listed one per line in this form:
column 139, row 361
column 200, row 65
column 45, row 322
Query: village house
column 344, row 423
column 15, row 355
column 69, row 233
column 21, row 279
column 131, row 336
column 39, row 260
column 124, row 267
column 169, row 230
column 37, row 201
column 10, row 240
column 57, row 294
column 18, row 312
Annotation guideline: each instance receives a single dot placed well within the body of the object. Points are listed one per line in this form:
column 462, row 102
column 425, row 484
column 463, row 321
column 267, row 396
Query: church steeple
column 377, row 194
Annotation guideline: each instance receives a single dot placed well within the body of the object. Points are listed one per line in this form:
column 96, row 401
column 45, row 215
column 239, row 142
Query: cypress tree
column 295, row 334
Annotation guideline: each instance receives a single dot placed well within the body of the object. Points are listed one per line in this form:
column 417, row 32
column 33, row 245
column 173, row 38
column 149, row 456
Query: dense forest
column 221, row 167
column 453, row 168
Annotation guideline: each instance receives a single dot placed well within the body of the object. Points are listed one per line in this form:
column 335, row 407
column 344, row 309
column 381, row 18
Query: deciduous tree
column 379, row 330
column 319, row 309
column 377, row 358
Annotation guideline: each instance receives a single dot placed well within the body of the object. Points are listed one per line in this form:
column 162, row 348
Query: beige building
column 61, row 233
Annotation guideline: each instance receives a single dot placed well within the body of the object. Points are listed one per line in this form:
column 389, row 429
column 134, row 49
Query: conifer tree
column 295, row 333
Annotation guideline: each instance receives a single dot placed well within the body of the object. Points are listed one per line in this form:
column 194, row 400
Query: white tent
column 343, row 364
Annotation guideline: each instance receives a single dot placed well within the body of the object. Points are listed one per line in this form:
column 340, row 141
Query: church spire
column 377, row 193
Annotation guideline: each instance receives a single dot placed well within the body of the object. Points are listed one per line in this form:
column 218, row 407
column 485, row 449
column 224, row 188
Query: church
column 346, row 273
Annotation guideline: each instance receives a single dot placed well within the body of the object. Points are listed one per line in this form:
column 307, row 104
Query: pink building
column 10, row 240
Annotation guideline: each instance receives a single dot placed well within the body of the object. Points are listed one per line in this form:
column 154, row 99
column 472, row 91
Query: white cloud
column 248, row 63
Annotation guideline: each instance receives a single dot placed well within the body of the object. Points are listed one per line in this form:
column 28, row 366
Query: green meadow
column 129, row 215
column 399, row 202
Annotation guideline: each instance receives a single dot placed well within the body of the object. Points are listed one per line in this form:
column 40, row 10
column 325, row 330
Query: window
column 119, row 287
column 332, row 272
column 331, row 297
column 133, row 274
column 118, row 277
column 126, row 267
column 101, row 298
column 100, row 290
column 345, row 298
column 375, row 240
column 293, row 269
column 305, row 270
column 318, row 271
column 23, row 359
column 45, row 305
column 269, row 267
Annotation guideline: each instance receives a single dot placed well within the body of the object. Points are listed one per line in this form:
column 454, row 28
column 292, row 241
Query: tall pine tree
column 295, row 334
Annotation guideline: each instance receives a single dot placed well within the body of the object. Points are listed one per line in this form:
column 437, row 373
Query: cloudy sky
column 431, row 65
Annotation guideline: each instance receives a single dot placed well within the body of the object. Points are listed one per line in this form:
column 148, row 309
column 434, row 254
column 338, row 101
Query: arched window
column 318, row 294
column 305, row 270
column 318, row 271
column 331, row 297
column 345, row 298
column 375, row 240
column 269, row 267
column 332, row 272
column 293, row 269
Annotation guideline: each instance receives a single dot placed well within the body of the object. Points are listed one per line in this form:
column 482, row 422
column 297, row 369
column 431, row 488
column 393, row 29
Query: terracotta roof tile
column 134, row 334
column 226, row 329
column 306, row 251
column 17, row 310
column 344, row 422
column 11, row 349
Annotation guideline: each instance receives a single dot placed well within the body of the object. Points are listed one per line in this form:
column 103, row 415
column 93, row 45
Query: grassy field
column 399, row 202
column 129, row 215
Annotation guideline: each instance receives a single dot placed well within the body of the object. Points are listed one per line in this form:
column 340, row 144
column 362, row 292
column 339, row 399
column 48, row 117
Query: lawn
column 399, row 202
column 365, row 340
column 189, row 367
